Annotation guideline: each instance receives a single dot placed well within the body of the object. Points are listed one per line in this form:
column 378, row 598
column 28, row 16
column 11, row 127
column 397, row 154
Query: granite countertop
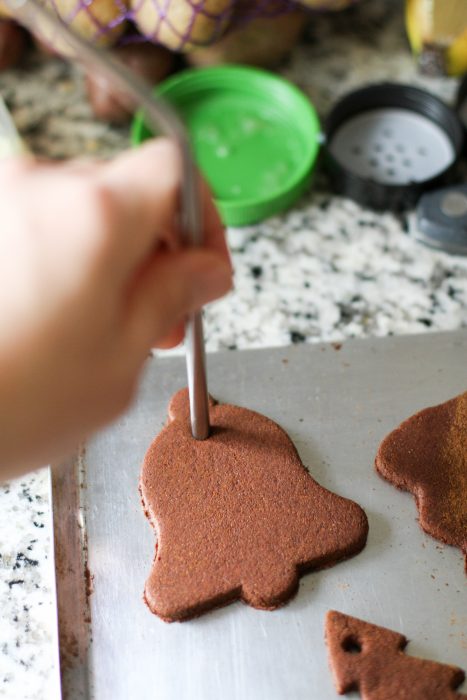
column 326, row 271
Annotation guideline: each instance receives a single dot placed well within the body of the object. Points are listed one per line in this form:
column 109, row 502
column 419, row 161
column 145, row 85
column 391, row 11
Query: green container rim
column 264, row 88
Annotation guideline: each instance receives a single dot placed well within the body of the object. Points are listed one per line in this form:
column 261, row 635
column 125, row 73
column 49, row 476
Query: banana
column 457, row 55
column 415, row 24
column 437, row 33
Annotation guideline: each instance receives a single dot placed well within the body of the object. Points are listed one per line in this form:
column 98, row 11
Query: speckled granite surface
column 27, row 629
column 327, row 270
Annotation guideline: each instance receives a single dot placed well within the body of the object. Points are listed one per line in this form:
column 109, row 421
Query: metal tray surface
column 337, row 403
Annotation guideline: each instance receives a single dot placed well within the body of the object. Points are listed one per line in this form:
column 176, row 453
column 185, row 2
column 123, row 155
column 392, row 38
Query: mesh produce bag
column 180, row 25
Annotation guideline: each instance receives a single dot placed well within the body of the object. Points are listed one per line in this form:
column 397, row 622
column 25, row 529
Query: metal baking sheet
column 336, row 403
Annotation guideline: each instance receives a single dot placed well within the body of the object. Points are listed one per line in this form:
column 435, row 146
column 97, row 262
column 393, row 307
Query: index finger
column 146, row 183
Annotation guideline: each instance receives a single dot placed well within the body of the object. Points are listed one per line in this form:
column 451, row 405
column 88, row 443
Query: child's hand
column 92, row 275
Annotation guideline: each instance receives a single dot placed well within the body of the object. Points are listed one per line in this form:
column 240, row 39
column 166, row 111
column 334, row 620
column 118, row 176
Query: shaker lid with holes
column 255, row 136
column 388, row 143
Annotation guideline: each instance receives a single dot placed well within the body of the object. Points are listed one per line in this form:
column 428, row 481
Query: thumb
column 169, row 288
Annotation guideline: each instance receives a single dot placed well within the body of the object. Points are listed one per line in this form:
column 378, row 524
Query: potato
column 154, row 63
column 12, row 44
column 187, row 25
column 264, row 41
column 184, row 23
column 90, row 20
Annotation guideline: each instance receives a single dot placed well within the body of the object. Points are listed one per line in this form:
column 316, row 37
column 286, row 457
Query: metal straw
column 160, row 117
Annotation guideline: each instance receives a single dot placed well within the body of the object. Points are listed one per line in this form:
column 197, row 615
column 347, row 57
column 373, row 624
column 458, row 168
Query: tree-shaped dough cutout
column 372, row 660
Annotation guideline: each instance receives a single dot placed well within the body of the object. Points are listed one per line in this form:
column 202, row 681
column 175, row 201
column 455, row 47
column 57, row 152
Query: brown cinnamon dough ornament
column 427, row 455
column 371, row 659
column 237, row 516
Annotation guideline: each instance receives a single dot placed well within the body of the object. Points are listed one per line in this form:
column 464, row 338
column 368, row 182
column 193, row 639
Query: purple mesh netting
column 236, row 14
column 178, row 24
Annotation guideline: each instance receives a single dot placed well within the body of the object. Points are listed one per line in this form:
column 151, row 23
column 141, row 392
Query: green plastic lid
column 255, row 137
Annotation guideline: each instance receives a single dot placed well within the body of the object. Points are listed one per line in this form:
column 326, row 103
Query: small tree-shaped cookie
column 237, row 515
column 371, row 659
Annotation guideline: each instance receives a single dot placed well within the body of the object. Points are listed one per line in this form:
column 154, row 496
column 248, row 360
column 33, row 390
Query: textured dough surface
column 427, row 455
column 237, row 516
column 371, row 659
